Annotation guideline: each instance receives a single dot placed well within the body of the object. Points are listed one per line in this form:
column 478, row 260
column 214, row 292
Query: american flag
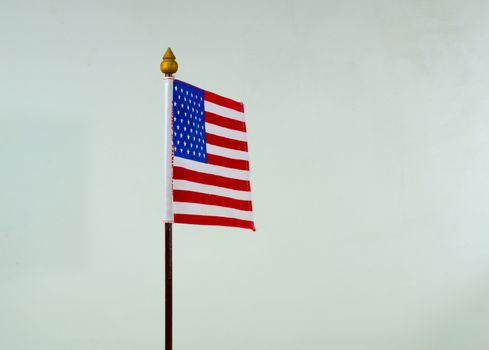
column 211, row 178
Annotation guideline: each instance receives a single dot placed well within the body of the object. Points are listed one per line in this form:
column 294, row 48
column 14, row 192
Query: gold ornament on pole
column 169, row 66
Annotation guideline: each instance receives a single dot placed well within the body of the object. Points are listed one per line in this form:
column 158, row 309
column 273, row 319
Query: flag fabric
column 211, row 174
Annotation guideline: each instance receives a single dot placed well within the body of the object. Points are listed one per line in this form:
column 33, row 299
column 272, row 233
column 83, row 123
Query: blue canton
column 188, row 122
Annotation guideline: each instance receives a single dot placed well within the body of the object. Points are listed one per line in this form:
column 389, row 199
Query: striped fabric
column 211, row 182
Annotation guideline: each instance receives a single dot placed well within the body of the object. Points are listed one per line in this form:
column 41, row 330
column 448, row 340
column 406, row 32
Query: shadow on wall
column 42, row 202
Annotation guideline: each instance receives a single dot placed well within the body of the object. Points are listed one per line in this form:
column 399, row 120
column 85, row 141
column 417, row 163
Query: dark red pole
column 168, row 67
column 168, row 288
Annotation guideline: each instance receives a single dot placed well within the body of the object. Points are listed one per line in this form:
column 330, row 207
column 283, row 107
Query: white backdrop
column 368, row 131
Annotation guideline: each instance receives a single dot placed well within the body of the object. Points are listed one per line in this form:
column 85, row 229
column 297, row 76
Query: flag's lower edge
column 213, row 220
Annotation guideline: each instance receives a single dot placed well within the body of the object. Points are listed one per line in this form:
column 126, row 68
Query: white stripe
column 211, row 169
column 210, row 210
column 226, row 152
column 218, row 191
column 225, row 132
column 223, row 111
column 167, row 152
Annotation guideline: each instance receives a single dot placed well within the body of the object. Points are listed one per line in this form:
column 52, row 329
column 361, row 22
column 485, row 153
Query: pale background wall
column 368, row 127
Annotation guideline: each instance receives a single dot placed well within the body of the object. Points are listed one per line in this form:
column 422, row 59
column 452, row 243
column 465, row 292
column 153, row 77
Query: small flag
column 211, row 173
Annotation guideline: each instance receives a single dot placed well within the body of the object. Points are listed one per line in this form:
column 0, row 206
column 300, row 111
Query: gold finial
column 169, row 66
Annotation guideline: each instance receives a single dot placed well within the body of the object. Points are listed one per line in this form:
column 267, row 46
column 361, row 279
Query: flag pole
column 168, row 288
column 168, row 67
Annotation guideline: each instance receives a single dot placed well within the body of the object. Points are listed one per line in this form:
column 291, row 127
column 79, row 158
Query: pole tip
column 169, row 66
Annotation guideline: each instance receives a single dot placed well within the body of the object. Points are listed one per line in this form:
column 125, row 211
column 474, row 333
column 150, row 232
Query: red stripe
column 211, row 199
column 223, row 101
column 240, row 164
column 225, row 122
column 180, row 173
column 226, row 142
column 213, row 220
